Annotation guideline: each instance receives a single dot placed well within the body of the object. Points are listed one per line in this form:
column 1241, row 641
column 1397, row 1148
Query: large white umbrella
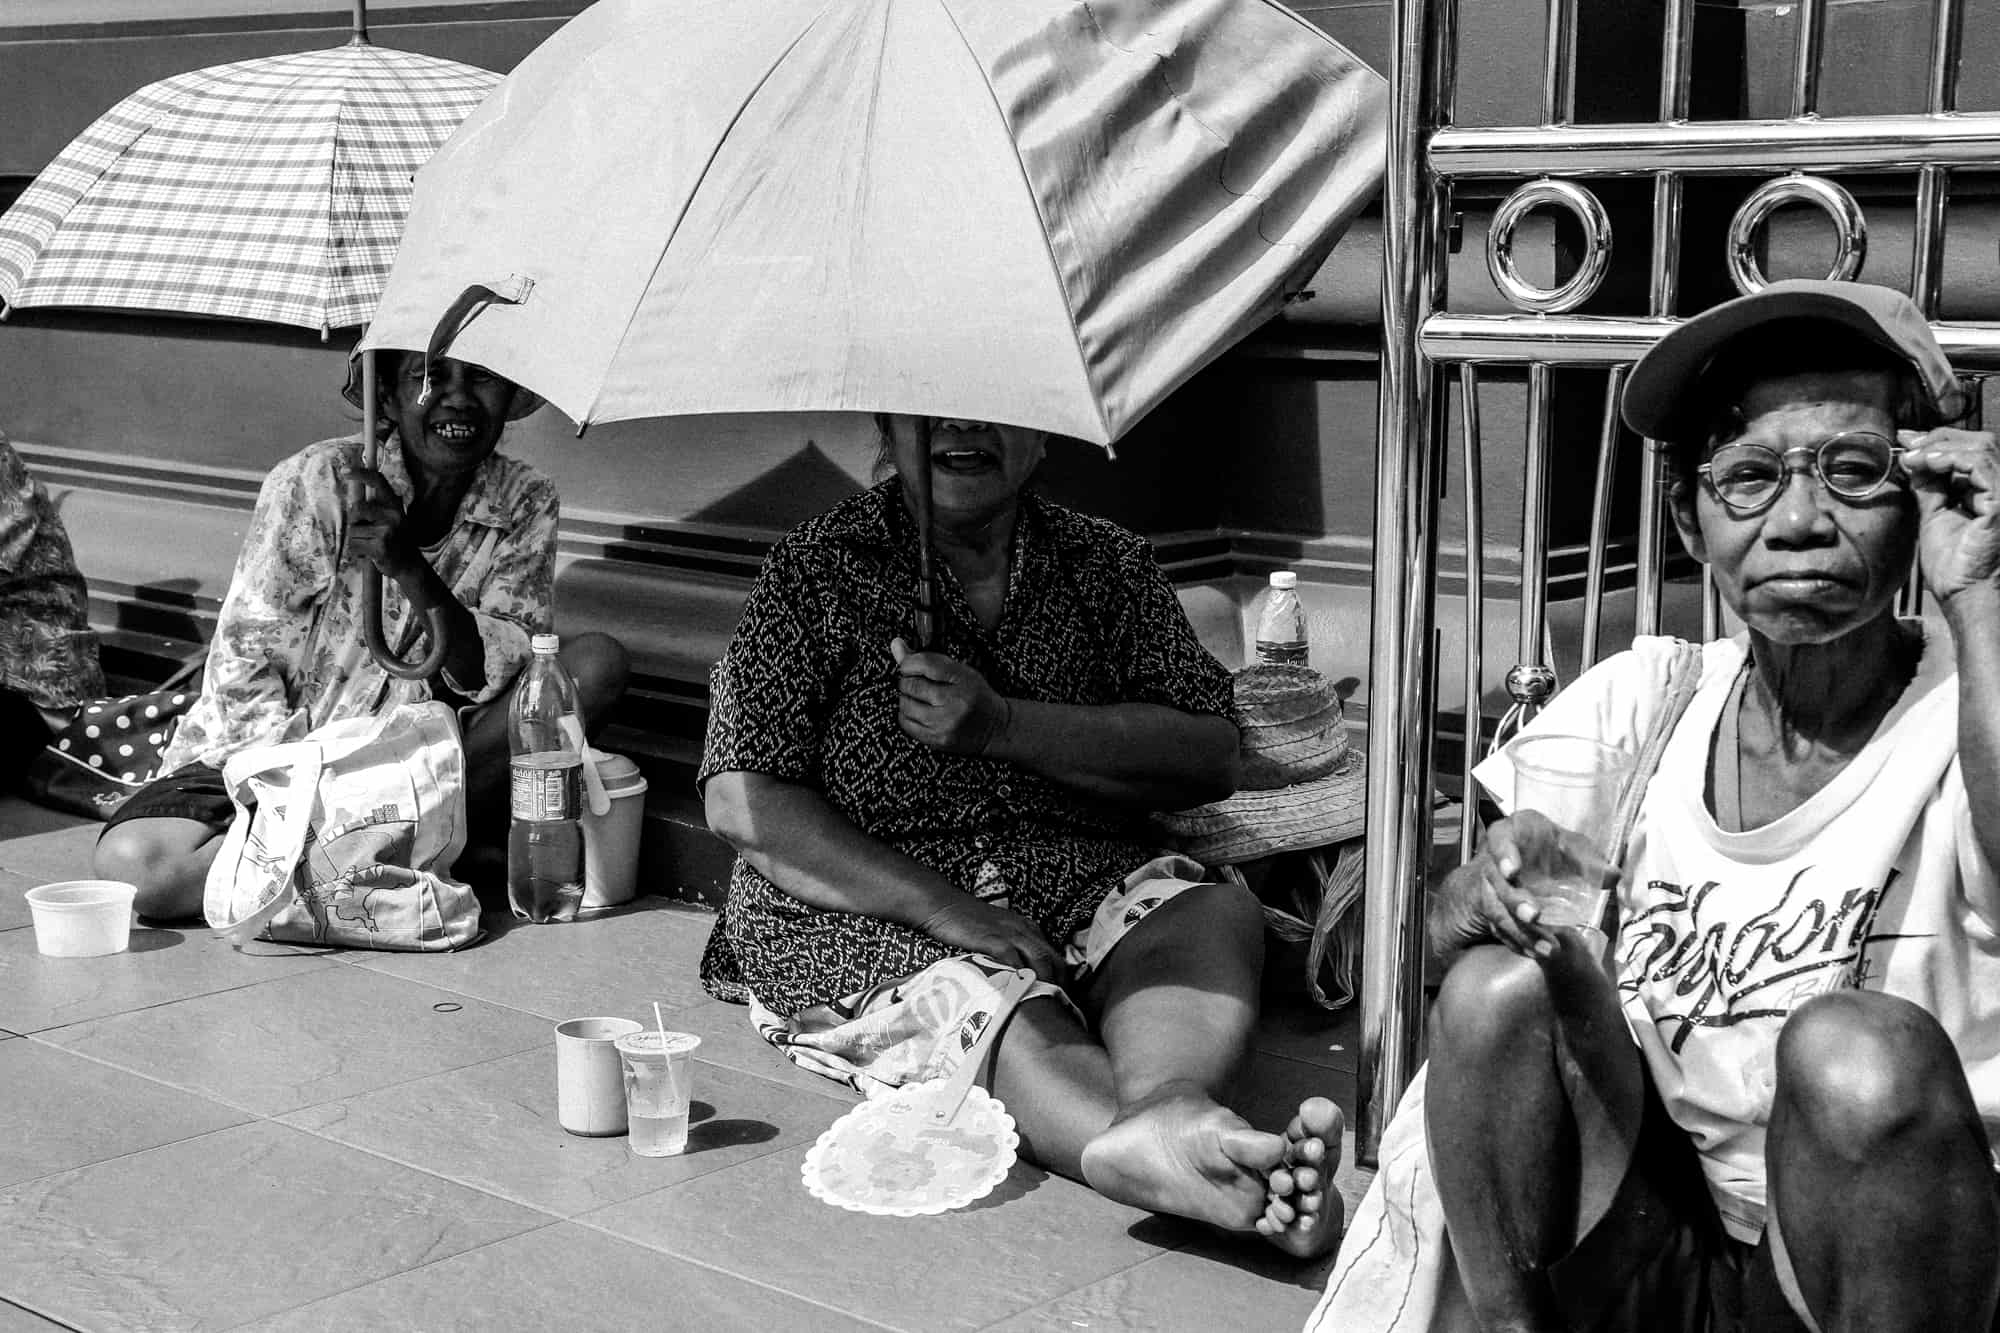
column 1029, row 211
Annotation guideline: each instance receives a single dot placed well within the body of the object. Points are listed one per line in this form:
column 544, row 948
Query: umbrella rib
column 687, row 200
column 1048, row 243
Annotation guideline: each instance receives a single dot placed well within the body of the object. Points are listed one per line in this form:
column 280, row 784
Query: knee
column 1490, row 998
column 600, row 667
column 127, row 855
column 1857, row 1069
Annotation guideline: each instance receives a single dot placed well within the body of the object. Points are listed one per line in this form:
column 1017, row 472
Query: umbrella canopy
column 1029, row 211
column 270, row 189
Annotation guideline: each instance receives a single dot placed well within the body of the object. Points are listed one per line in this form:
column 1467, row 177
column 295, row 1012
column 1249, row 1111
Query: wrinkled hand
column 946, row 704
column 374, row 520
column 1956, row 477
column 1002, row 935
column 1491, row 899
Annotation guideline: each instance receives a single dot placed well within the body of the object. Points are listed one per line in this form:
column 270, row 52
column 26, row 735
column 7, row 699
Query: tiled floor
column 196, row 1138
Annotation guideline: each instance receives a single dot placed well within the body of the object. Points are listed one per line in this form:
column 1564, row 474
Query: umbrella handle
column 926, row 617
column 371, row 588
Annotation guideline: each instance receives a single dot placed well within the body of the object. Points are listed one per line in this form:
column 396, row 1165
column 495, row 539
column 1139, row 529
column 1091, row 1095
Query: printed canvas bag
column 347, row 837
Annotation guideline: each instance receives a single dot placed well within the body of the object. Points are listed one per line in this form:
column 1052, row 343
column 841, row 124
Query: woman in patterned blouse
column 448, row 522
column 913, row 825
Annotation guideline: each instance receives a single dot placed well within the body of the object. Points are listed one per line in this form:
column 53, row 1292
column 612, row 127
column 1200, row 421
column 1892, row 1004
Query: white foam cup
column 82, row 918
column 590, row 1083
column 611, row 840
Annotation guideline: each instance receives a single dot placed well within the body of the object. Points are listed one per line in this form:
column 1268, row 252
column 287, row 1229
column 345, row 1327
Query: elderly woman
column 914, row 824
column 450, row 523
column 1774, row 1109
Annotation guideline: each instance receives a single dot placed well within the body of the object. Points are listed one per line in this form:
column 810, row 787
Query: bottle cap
column 1284, row 578
column 545, row 643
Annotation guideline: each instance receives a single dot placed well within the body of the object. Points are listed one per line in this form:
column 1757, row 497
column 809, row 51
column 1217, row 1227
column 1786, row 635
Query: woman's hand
column 1004, row 936
column 1489, row 899
column 374, row 520
column 946, row 704
column 1956, row 477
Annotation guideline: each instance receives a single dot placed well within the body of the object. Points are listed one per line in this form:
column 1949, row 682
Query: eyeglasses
column 1748, row 477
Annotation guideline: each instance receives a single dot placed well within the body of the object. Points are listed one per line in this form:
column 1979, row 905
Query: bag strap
column 284, row 844
column 1683, row 676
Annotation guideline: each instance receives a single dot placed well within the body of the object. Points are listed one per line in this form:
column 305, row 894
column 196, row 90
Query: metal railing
column 1553, row 162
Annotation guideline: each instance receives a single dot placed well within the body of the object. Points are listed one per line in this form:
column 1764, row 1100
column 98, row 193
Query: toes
column 1252, row 1149
column 1320, row 1118
column 1303, row 1179
column 1283, row 1182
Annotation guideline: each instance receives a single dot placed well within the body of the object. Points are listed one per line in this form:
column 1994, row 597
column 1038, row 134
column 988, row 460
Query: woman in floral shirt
column 448, row 523
column 913, row 826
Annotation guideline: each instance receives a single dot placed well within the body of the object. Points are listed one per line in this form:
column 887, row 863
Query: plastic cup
column 1575, row 782
column 590, row 1091
column 611, row 840
column 658, row 1068
column 82, row 918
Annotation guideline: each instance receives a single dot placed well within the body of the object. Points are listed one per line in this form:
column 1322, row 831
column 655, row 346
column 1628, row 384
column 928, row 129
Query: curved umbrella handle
column 435, row 627
column 371, row 588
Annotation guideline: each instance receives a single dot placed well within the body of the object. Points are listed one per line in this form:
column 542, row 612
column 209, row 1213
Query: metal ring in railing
column 1850, row 229
column 1596, row 260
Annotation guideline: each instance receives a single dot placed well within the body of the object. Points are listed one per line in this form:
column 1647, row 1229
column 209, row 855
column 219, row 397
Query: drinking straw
column 660, row 1023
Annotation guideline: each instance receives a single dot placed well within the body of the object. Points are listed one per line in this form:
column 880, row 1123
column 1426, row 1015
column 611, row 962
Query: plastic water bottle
column 545, row 842
column 1281, row 629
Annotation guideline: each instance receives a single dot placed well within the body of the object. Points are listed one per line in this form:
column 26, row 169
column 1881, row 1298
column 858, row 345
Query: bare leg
column 1880, row 1171
column 1535, row 1101
column 598, row 665
column 1056, row 1082
column 166, row 858
column 1176, row 1002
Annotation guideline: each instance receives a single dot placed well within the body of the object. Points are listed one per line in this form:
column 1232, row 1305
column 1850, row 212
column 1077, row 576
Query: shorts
column 920, row 1026
column 193, row 791
column 1659, row 1261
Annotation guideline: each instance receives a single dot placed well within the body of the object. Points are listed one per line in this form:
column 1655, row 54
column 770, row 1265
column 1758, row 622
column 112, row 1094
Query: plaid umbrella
column 270, row 189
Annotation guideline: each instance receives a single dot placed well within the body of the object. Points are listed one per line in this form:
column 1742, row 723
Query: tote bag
column 347, row 837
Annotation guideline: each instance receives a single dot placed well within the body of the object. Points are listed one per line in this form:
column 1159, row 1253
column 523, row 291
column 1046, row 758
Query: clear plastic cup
column 1576, row 782
column 658, row 1069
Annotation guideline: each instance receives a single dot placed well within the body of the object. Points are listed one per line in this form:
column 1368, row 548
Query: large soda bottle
column 545, row 843
column 1281, row 629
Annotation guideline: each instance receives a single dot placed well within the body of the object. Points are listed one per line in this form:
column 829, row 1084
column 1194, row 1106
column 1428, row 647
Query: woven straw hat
column 1303, row 782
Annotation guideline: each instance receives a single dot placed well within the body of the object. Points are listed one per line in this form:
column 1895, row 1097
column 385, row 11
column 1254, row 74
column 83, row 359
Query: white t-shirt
column 1876, row 881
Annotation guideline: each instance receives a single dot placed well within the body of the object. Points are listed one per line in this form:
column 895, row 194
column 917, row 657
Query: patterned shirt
column 48, row 652
column 807, row 693
column 292, row 590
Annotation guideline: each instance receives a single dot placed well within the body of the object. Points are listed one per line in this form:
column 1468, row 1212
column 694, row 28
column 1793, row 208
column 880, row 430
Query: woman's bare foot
column 1297, row 1218
column 1179, row 1152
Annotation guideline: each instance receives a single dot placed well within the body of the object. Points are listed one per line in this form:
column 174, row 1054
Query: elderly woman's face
column 459, row 425
column 976, row 468
column 1812, row 566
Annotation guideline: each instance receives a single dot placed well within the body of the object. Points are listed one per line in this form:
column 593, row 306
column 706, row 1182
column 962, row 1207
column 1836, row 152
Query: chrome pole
column 1403, row 601
column 1810, row 56
column 1663, row 302
column 1475, row 604
column 1600, row 516
column 1721, row 147
column 1559, row 63
column 1534, row 599
column 1933, row 182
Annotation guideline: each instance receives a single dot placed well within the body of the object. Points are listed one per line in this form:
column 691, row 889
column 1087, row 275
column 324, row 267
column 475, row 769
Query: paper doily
column 887, row 1158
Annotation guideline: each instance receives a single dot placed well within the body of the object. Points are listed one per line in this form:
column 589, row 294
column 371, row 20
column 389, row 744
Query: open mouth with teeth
column 454, row 432
column 965, row 460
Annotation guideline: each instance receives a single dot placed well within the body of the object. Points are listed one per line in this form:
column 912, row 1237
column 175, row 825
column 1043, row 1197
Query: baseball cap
column 1658, row 401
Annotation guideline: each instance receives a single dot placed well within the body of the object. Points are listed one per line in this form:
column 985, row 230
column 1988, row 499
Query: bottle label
column 544, row 791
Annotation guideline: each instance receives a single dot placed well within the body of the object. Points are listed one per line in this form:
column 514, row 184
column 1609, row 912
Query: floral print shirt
column 807, row 692
column 48, row 652
column 289, row 654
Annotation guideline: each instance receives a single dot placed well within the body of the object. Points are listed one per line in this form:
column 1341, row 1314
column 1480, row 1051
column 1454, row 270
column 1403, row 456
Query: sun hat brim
column 1658, row 402
column 1253, row 824
column 524, row 403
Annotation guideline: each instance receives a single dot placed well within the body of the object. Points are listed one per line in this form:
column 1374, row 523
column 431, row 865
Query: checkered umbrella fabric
column 272, row 189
